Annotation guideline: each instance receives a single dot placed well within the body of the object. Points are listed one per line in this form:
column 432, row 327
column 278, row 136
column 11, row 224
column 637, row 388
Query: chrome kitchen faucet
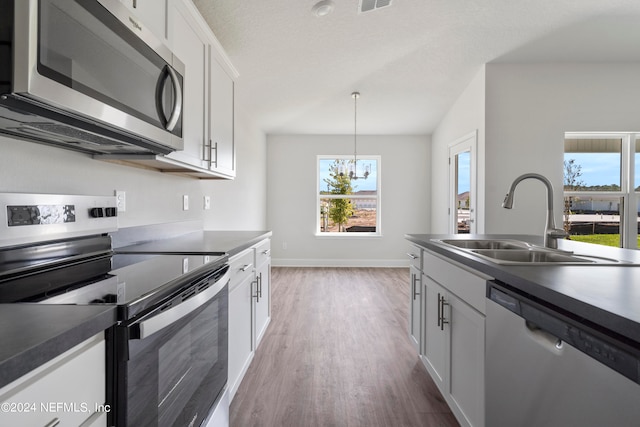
column 551, row 233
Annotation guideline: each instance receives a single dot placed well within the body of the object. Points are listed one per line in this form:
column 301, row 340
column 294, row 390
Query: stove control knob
column 110, row 212
column 96, row 212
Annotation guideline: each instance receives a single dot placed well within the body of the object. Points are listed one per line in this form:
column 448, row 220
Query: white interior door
column 462, row 184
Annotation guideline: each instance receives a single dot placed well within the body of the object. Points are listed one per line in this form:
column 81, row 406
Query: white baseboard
column 295, row 262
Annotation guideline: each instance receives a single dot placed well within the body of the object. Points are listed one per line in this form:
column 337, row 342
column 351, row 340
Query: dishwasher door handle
column 545, row 339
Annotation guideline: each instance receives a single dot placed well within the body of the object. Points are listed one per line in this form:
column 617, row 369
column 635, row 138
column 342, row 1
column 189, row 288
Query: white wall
column 291, row 199
column 465, row 116
column 241, row 204
column 152, row 197
column 529, row 107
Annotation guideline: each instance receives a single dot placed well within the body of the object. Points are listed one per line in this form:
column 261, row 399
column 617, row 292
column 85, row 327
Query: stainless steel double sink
column 517, row 252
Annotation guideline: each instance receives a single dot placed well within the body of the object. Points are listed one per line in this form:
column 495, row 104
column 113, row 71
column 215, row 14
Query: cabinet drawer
column 415, row 256
column 263, row 252
column 241, row 266
column 68, row 389
column 466, row 285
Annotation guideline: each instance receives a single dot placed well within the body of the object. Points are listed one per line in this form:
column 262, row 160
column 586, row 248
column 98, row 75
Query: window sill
column 346, row 235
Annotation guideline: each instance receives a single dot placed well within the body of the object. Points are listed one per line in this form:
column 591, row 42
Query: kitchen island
column 607, row 295
column 528, row 343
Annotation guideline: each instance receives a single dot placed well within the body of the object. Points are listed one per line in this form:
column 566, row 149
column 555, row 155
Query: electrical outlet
column 185, row 202
column 207, row 203
column 284, row 246
column 185, row 265
column 121, row 200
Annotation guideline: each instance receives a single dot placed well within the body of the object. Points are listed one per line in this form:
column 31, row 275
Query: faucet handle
column 557, row 233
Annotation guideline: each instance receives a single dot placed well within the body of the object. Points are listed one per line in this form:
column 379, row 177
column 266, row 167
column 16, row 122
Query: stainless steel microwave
column 89, row 76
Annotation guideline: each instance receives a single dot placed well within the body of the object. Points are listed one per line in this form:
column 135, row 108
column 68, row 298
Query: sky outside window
column 599, row 161
column 464, row 172
column 369, row 184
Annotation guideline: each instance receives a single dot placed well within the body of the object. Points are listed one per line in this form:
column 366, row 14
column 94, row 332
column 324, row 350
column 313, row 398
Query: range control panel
column 42, row 214
column 27, row 218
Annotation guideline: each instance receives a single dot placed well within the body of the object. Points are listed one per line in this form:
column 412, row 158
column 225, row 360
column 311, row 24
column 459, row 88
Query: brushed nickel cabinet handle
column 439, row 309
column 215, row 148
column 442, row 320
column 257, row 295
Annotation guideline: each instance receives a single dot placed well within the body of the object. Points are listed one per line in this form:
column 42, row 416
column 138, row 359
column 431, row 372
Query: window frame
column 627, row 193
column 378, row 197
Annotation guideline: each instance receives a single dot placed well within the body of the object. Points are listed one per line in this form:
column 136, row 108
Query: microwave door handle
column 177, row 94
column 170, row 123
column 160, row 321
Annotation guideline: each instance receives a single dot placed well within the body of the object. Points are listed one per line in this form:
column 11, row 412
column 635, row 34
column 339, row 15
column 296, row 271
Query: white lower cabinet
column 69, row 390
column 436, row 345
column 415, row 308
column 416, row 311
column 249, row 308
column 263, row 289
column 240, row 332
column 454, row 336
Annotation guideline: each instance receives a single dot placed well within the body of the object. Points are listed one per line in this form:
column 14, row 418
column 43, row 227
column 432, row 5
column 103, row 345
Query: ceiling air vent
column 369, row 5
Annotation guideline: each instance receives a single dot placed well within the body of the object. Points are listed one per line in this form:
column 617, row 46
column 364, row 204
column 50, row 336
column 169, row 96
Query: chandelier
column 353, row 164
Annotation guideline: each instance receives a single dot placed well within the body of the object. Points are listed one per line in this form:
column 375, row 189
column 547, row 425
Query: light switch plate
column 207, row 202
column 185, row 202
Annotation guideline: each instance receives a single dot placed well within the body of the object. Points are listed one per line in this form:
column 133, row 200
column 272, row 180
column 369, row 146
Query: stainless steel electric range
column 167, row 353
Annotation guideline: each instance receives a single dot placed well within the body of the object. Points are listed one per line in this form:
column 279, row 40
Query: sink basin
column 486, row 244
column 516, row 252
column 528, row 256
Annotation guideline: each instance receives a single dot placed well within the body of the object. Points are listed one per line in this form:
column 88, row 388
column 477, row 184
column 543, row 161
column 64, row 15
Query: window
column 462, row 187
column 348, row 207
column 601, row 188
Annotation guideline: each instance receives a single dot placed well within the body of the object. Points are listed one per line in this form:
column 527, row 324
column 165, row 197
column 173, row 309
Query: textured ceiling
column 409, row 61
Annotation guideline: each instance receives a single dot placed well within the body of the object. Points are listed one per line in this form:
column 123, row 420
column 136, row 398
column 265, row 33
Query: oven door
column 171, row 365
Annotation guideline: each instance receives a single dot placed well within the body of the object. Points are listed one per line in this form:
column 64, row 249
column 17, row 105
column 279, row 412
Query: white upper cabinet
column 190, row 43
column 221, row 105
column 208, row 93
column 208, row 120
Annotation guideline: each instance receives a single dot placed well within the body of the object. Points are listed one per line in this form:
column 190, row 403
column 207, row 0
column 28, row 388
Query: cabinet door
column 240, row 332
column 67, row 390
column 415, row 308
column 466, row 373
column 189, row 42
column 262, row 299
column 436, row 345
column 152, row 13
column 221, row 120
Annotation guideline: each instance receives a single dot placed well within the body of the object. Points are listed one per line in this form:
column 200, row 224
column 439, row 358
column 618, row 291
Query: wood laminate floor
column 337, row 353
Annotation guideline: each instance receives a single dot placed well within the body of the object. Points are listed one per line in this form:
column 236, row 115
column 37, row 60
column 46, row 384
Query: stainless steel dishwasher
column 546, row 368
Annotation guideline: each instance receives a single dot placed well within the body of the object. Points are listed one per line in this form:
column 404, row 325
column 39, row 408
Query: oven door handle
column 160, row 321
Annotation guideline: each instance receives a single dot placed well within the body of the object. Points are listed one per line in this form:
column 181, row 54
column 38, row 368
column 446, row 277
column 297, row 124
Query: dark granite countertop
column 605, row 295
column 33, row 334
column 201, row 242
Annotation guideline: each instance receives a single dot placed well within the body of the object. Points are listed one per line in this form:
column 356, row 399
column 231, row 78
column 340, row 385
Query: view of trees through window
column 348, row 195
column 599, row 184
